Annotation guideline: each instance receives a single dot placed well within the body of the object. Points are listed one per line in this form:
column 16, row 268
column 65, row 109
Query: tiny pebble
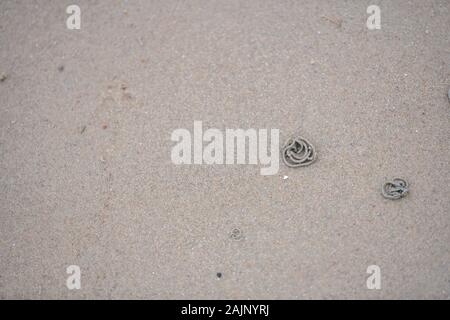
column 3, row 77
column 285, row 177
column 219, row 275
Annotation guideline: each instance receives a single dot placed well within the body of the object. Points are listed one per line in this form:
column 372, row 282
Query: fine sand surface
column 86, row 176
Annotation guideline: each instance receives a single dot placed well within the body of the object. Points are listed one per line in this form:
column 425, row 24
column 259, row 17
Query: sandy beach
column 87, row 179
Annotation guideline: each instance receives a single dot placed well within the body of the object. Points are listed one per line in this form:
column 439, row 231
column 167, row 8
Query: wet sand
column 86, row 176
